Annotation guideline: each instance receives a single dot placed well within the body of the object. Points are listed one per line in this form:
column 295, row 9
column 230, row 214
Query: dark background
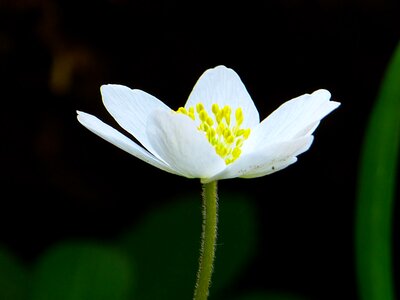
column 60, row 181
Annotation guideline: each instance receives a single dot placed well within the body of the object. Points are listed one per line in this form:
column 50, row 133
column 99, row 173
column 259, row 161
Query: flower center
column 225, row 136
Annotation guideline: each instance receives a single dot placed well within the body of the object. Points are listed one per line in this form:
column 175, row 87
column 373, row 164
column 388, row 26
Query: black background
column 60, row 181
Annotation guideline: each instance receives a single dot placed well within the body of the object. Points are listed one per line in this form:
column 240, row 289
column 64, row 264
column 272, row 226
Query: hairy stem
column 208, row 240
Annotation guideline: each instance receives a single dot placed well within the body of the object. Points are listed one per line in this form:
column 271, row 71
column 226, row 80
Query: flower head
column 217, row 134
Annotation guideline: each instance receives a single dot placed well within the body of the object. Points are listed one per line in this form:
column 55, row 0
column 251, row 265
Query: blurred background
column 60, row 182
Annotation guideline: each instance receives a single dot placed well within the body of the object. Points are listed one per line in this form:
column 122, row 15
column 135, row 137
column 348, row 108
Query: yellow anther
column 230, row 139
column 209, row 137
column 199, row 107
column 221, row 127
column 239, row 143
column 246, row 133
column 221, row 150
column 215, row 108
column 211, row 134
column 239, row 116
column 226, row 140
column 191, row 113
column 227, row 114
column 219, row 116
column 236, row 152
column 239, row 132
column 224, row 151
column 226, row 133
column 203, row 115
column 182, row 110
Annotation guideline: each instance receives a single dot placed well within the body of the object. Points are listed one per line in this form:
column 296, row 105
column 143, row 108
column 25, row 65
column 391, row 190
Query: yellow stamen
column 239, row 116
column 215, row 108
column 191, row 113
column 226, row 140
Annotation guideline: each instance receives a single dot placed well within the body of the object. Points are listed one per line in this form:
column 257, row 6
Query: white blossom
column 217, row 134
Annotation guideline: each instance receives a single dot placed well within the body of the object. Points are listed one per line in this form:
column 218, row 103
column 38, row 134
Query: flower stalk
column 208, row 240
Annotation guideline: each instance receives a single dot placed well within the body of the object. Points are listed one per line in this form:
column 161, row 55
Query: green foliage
column 156, row 259
column 376, row 190
column 82, row 271
column 164, row 247
column 14, row 277
column 237, row 238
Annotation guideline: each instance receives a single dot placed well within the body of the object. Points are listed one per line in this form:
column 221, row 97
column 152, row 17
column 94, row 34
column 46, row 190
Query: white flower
column 217, row 134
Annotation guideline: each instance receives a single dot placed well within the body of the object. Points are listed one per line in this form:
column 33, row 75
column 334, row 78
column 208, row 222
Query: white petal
column 121, row 141
column 282, row 164
column 297, row 117
column 266, row 160
column 178, row 142
column 223, row 86
column 131, row 108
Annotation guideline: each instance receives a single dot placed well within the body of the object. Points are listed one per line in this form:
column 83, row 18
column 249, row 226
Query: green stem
column 208, row 240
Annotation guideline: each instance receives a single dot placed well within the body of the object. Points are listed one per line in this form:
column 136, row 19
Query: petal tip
column 83, row 117
column 111, row 88
column 323, row 93
column 79, row 114
column 221, row 69
column 104, row 86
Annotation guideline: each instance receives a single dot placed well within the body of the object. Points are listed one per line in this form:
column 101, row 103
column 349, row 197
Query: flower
column 217, row 134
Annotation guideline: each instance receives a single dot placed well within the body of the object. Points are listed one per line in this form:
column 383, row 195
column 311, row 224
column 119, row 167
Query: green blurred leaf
column 376, row 190
column 13, row 277
column 165, row 247
column 82, row 271
column 236, row 243
column 269, row 296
